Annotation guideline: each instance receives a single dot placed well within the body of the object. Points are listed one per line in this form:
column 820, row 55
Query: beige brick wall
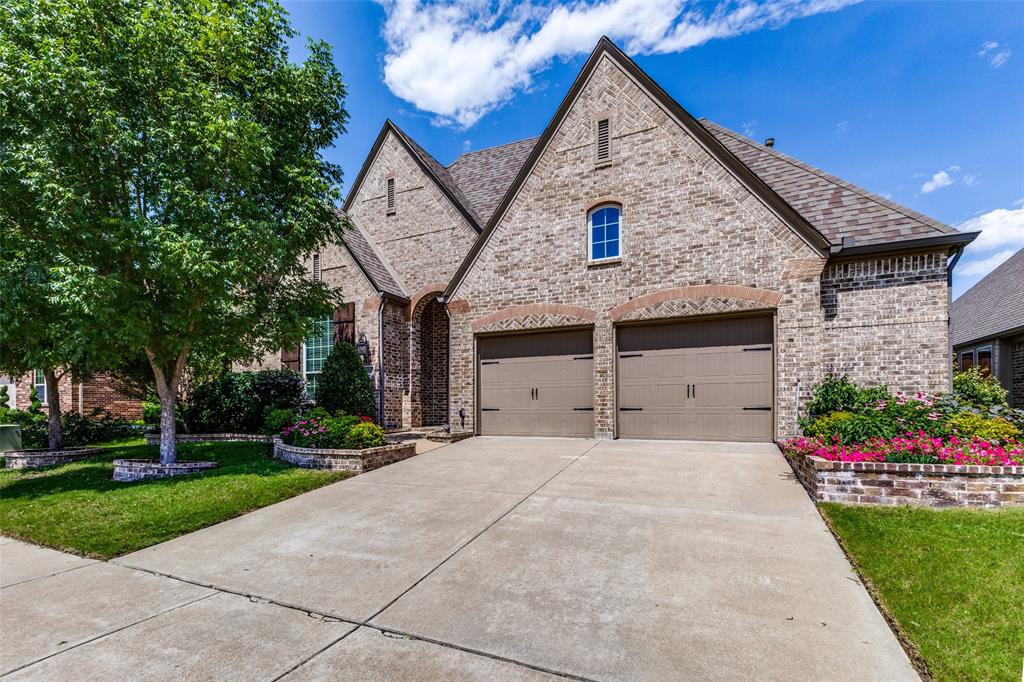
column 687, row 222
column 426, row 238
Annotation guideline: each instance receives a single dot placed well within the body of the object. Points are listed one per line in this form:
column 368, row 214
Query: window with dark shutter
column 391, row 195
column 316, row 267
column 604, row 141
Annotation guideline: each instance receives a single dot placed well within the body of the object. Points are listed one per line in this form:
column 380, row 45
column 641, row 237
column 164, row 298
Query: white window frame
column 590, row 234
column 303, row 356
column 40, row 385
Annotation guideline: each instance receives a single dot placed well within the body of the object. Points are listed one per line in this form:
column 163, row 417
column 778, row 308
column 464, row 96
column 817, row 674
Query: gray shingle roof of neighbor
column 486, row 174
column 992, row 306
column 836, row 208
column 371, row 263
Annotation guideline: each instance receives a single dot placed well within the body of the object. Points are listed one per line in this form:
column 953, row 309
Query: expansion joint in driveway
column 408, row 635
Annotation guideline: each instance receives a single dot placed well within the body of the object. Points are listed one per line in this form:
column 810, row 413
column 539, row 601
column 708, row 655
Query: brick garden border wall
column 33, row 459
column 925, row 485
column 356, row 461
column 127, row 470
column 154, row 438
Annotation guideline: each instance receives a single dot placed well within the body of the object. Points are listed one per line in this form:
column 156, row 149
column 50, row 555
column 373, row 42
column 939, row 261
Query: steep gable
column 432, row 226
column 993, row 306
column 665, row 145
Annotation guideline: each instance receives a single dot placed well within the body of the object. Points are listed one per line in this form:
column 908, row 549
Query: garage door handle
column 631, row 409
column 490, row 362
column 759, row 409
column 750, row 349
column 583, row 409
column 631, row 355
column 584, row 357
column 489, row 409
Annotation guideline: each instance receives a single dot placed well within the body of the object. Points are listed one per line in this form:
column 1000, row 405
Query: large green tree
column 172, row 155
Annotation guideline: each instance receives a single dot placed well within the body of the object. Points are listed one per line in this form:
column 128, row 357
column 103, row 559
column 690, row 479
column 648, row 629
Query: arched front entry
column 429, row 351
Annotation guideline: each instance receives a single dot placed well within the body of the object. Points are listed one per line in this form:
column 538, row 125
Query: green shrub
column 365, row 435
column 344, row 385
column 1010, row 414
column 150, row 412
column 241, row 401
column 827, row 426
column 5, row 399
column 977, row 387
column 992, row 429
column 841, row 394
column 80, row 430
column 279, row 420
column 34, row 406
column 33, row 427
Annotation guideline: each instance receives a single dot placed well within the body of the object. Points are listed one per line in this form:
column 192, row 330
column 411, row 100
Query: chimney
column 770, row 142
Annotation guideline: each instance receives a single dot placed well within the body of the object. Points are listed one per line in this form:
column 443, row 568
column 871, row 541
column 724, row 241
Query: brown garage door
column 539, row 384
column 708, row 380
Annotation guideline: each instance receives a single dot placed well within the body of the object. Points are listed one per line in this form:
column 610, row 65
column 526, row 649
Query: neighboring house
column 96, row 395
column 632, row 272
column 987, row 326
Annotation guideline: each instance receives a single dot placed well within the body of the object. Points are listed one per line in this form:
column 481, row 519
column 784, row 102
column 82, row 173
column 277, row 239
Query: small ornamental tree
column 168, row 154
column 343, row 383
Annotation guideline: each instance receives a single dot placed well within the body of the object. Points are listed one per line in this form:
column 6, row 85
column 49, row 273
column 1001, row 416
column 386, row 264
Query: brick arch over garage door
column 702, row 299
column 534, row 316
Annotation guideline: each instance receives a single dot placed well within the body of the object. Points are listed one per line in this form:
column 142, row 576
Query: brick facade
column 695, row 241
column 97, row 395
column 1017, row 374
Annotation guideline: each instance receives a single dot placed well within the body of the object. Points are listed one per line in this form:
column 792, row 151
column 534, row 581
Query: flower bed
column 918, row 448
column 336, row 459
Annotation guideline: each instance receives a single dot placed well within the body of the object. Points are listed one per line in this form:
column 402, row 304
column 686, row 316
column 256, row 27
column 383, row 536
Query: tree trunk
column 167, row 388
column 168, row 425
column 53, row 430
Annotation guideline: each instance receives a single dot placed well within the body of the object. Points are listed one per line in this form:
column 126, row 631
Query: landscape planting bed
column 356, row 461
column 33, row 459
column 929, row 485
column 127, row 470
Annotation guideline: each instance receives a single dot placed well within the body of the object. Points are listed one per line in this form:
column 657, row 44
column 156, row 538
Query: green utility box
column 10, row 437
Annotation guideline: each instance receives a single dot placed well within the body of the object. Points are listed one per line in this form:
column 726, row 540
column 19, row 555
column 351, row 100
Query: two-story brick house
column 632, row 272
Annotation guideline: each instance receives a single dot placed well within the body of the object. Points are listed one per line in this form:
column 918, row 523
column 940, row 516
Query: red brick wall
column 96, row 395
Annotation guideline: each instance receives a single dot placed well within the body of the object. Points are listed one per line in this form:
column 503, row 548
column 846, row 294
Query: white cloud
column 842, row 127
column 461, row 60
column 1000, row 228
column 750, row 128
column 1002, row 235
column 938, row 181
column 981, row 267
column 971, row 180
column 991, row 51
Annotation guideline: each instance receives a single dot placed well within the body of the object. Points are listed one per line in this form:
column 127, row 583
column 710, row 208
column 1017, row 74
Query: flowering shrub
column 911, row 447
column 341, row 431
column 992, row 429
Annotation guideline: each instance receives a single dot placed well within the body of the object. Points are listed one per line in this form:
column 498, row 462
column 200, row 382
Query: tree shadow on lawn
column 95, row 473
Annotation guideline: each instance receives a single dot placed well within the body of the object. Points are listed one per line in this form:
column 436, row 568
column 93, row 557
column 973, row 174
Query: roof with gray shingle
column 991, row 307
column 835, row 208
column 372, row 264
column 485, row 175
column 443, row 176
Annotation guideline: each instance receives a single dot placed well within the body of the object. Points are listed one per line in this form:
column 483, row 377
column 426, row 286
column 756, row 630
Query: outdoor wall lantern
column 363, row 348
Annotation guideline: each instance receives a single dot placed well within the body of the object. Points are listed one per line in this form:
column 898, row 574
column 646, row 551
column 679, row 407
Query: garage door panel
column 525, row 390
column 700, row 387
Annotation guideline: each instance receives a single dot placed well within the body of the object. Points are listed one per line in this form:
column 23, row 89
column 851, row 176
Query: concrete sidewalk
column 493, row 558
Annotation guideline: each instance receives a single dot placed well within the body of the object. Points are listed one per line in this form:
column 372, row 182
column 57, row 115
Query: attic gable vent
column 391, row 195
column 604, row 141
column 316, row 267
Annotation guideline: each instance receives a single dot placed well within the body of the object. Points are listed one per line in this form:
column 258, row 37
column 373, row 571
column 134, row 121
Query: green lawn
column 78, row 508
column 954, row 579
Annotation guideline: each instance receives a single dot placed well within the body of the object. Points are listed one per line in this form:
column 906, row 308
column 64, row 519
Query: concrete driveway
column 494, row 558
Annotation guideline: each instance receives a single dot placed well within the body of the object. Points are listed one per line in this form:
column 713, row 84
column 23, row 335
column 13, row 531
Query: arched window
column 603, row 232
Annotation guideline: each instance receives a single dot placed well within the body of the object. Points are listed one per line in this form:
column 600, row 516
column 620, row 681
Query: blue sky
column 922, row 102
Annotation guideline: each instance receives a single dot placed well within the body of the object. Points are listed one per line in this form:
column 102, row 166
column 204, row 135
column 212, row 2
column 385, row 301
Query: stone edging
column 34, row 459
column 154, row 438
column 144, row 469
column 356, row 461
column 446, row 437
column 928, row 485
